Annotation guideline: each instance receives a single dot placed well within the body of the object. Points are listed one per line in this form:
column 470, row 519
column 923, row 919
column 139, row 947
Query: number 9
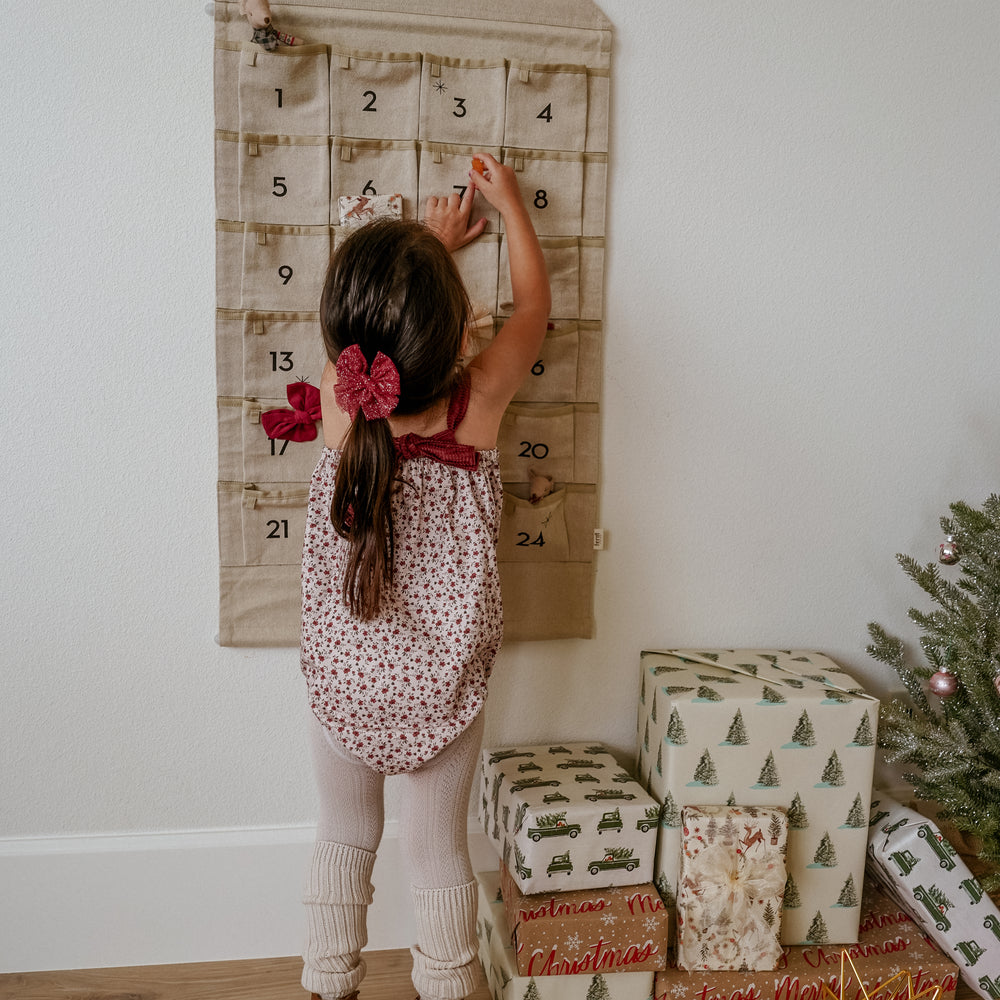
column 285, row 273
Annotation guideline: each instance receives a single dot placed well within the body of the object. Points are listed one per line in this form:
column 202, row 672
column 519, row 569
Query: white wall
column 801, row 373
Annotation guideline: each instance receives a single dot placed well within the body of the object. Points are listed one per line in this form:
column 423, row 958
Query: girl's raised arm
column 505, row 363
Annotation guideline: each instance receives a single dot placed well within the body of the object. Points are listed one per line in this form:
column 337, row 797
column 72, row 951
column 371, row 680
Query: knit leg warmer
column 336, row 899
column 444, row 960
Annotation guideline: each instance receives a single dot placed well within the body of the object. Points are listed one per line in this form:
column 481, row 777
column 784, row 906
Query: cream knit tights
column 434, row 819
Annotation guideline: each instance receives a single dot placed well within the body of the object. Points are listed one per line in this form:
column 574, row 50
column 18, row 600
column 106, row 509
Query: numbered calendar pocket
column 591, row 278
column 261, row 525
column 227, row 85
column 556, row 441
column 562, row 262
column 229, row 324
column 552, row 185
column 462, row 100
column 546, row 106
column 284, row 92
column 274, row 460
column 278, row 348
column 284, row 266
column 595, row 192
column 568, row 366
column 444, row 170
column 285, row 179
column 375, row 95
column 228, row 263
column 598, row 100
column 374, row 166
column 227, row 175
column 558, row 528
column 478, row 263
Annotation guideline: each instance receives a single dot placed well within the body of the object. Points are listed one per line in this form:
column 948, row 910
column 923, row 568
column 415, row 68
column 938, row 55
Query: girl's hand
column 448, row 219
column 498, row 184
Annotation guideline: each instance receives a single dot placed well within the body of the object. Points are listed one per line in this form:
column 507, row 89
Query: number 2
column 370, row 106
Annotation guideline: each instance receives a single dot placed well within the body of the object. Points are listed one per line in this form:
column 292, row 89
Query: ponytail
column 361, row 512
column 391, row 287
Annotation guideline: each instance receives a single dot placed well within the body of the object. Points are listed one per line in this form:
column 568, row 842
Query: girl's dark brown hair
column 391, row 287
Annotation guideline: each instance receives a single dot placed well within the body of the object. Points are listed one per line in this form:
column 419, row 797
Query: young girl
column 401, row 617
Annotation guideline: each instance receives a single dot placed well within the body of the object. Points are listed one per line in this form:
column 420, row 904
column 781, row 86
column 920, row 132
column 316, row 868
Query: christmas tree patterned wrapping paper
column 566, row 816
column 922, row 872
column 732, row 880
column 619, row 929
column 497, row 956
column 889, row 942
column 784, row 728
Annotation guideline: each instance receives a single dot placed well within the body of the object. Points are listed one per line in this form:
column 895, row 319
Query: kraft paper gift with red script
column 619, row 929
column 889, row 942
column 497, row 956
column 773, row 728
column 732, row 883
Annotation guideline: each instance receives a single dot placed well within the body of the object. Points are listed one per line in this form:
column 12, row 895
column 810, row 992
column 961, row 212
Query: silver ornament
column 948, row 551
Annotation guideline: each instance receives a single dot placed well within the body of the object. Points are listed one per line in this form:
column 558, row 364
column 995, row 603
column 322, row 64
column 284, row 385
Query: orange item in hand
column 478, row 165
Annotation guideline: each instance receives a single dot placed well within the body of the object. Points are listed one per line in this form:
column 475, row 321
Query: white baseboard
column 198, row 896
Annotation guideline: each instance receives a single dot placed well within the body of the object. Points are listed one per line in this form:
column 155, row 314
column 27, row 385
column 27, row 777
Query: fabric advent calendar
column 392, row 99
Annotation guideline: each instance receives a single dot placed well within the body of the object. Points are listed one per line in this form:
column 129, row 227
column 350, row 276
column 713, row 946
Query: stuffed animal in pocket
column 265, row 34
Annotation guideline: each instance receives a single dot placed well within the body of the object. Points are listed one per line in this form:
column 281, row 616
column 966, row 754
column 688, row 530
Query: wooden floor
column 257, row 979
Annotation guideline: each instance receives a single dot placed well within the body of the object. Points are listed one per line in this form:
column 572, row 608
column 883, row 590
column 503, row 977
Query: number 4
column 546, row 113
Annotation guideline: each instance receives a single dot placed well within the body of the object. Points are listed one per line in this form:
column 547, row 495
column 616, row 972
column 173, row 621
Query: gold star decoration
column 897, row 987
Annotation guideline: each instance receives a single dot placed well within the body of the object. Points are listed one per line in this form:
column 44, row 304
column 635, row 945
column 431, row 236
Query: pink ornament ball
column 943, row 684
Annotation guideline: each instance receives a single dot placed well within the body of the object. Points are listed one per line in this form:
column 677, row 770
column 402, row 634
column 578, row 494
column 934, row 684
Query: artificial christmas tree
column 954, row 747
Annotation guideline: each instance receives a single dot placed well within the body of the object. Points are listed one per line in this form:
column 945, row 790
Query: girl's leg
column 340, row 889
column 436, row 845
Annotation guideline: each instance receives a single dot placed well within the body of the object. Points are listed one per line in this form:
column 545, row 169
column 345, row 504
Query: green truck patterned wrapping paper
column 497, row 955
column 922, row 872
column 783, row 728
column 566, row 816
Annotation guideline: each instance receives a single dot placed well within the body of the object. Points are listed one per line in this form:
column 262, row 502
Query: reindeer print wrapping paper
column 923, row 874
column 567, row 816
column 784, row 728
column 732, row 882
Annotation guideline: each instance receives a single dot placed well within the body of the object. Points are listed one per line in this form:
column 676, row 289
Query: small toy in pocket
column 541, row 486
column 356, row 210
column 258, row 13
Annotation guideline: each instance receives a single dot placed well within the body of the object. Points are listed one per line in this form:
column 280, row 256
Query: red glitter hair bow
column 374, row 392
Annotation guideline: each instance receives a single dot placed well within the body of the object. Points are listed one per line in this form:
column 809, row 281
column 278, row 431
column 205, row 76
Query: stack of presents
column 732, row 865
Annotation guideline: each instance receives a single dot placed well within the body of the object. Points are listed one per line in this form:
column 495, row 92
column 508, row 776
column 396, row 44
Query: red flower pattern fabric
column 396, row 690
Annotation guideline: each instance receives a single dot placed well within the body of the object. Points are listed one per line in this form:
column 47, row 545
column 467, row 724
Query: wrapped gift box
column 566, row 816
column 497, row 956
column 732, row 883
column 924, row 875
column 773, row 728
column 620, row 929
column 888, row 942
